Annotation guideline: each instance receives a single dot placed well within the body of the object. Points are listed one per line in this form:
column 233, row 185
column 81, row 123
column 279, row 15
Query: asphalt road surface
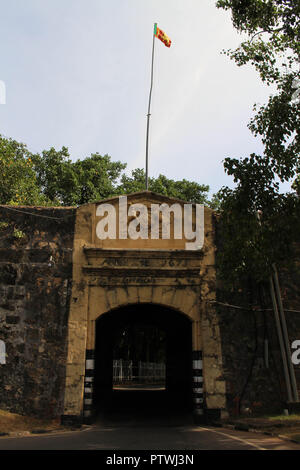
column 133, row 434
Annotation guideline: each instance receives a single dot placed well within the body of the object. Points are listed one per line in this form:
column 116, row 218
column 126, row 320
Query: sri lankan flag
column 160, row 34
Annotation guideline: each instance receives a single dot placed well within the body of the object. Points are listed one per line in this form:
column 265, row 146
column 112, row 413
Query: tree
column 18, row 181
column 75, row 183
column 257, row 224
column 97, row 177
column 273, row 48
column 52, row 178
column 56, row 177
column 250, row 246
column 186, row 190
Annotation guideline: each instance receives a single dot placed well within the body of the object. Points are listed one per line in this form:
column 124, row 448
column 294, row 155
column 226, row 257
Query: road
column 135, row 434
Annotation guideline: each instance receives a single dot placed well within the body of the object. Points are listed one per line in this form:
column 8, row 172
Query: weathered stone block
column 12, row 320
column 8, row 273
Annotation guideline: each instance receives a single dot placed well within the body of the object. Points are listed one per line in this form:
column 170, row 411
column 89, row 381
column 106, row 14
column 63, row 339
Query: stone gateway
column 68, row 296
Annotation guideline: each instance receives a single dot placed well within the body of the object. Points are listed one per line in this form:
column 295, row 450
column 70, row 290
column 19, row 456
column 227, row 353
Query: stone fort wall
column 36, row 248
column 254, row 375
column 35, row 285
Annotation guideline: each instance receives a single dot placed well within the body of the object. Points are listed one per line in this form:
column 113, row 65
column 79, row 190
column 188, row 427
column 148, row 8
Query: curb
column 37, row 432
column 25, row 433
column 287, row 438
column 245, row 427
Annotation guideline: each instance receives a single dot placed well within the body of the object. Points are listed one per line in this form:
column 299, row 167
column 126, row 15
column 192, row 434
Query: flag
column 160, row 34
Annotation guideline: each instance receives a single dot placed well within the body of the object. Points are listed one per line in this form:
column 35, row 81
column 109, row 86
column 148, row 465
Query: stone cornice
column 141, row 272
column 92, row 252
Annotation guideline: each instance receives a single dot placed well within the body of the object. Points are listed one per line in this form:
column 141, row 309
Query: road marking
column 234, row 438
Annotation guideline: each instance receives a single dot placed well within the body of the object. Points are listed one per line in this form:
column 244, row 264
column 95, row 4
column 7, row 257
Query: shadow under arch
column 177, row 336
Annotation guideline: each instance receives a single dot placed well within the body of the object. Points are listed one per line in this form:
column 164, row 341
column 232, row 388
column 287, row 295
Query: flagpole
column 149, row 107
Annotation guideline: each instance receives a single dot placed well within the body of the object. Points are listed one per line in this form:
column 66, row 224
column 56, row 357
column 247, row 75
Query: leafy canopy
column 186, row 190
column 272, row 46
column 18, row 180
column 52, row 178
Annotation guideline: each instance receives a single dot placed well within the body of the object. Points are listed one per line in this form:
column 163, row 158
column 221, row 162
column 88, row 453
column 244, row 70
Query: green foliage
column 74, row 183
column 18, row 182
column 18, row 234
column 186, row 190
column 4, row 225
column 97, row 178
column 276, row 17
column 51, row 178
column 296, row 185
column 138, row 342
column 55, row 175
column 278, row 125
column 250, row 246
column 258, row 224
column 273, row 48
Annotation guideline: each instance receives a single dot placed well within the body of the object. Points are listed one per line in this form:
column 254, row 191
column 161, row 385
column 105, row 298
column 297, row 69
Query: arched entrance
column 144, row 275
column 143, row 360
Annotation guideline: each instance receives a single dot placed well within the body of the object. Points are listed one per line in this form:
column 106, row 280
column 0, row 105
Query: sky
column 77, row 74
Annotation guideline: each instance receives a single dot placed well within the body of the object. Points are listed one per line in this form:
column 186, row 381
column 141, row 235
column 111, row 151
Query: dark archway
column 143, row 332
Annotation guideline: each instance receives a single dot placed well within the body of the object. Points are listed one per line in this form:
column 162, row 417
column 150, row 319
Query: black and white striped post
column 88, row 384
column 198, row 398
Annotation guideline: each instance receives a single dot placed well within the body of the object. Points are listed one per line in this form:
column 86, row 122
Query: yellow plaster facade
column 108, row 274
